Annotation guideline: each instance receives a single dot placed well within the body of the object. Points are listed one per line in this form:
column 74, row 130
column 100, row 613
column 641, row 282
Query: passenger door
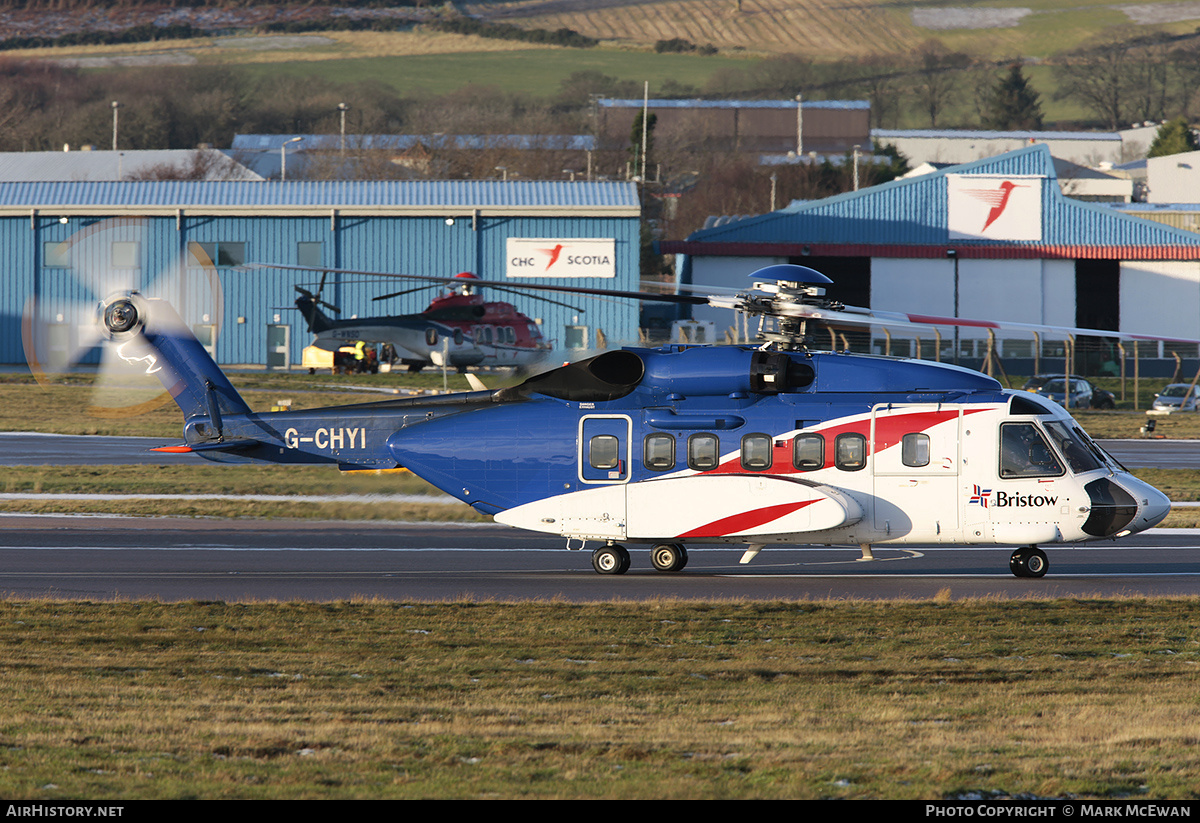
column 604, row 448
column 916, row 456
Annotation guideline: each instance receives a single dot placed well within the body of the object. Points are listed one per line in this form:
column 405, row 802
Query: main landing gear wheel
column 610, row 560
column 669, row 557
column 1029, row 562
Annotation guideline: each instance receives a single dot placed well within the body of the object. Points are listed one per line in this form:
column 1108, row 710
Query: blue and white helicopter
column 668, row 447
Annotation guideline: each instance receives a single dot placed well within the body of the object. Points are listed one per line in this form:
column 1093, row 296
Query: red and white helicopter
column 756, row 446
column 458, row 329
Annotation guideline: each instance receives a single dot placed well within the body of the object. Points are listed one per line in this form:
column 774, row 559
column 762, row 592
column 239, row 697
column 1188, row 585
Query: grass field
column 946, row 699
column 834, row 29
column 539, row 72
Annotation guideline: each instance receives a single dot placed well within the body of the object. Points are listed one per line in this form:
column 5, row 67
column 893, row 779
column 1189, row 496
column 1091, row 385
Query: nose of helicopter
column 1153, row 505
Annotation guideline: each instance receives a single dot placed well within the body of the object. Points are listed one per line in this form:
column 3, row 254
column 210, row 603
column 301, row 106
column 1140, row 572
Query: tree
column 1173, row 137
column 938, row 74
column 1014, row 104
column 1098, row 78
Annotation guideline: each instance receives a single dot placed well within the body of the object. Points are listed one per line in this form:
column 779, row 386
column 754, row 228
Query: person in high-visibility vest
column 360, row 355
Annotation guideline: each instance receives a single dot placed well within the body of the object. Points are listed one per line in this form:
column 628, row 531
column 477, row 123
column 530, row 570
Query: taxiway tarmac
column 105, row 558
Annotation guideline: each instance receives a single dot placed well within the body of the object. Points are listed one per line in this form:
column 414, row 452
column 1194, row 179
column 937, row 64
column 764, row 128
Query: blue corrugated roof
column 913, row 212
column 464, row 194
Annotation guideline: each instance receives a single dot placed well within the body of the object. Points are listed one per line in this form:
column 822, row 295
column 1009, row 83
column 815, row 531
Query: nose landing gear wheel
column 669, row 557
column 610, row 560
column 1029, row 562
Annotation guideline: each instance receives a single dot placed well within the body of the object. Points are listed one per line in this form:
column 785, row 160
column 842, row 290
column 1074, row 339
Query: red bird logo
column 554, row 253
column 996, row 198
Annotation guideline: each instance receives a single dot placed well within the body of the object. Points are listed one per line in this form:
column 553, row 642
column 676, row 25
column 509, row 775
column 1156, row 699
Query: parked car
column 1176, row 397
column 1083, row 394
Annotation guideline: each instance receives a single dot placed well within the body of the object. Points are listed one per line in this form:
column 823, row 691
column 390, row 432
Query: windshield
column 1081, row 453
column 1054, row 387
column 1175, row 391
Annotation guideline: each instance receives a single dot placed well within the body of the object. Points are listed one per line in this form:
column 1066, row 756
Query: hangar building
column 995, row 239
column 415, row 227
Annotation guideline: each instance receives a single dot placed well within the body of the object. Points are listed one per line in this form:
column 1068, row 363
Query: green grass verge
column 538, row 72
column 1083, row 698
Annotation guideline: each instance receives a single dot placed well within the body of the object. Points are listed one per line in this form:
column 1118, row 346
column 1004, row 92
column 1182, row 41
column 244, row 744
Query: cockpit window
column 1024, row 452
column 1025, row 403
column 1075, row 447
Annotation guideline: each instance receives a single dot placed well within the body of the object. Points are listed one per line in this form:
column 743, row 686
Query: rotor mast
column 790, row 296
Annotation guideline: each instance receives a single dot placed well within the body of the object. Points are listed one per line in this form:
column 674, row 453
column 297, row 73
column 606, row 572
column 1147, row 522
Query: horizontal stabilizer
column 211, row 446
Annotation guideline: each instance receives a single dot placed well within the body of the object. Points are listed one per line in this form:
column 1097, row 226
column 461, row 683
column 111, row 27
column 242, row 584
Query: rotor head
column 123, row 315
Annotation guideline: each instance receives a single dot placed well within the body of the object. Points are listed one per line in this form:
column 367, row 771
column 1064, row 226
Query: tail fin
column 185, row 368
column 317, row 320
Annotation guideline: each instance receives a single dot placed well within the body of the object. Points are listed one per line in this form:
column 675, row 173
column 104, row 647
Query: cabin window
column 808, row 452
column 431, row 337
column 703, row 452
column 604, row 452
column 850, row 452
column 658, row 452
column 1024, row 452
column 458, row 337
column 757, row 452
column 914, row 450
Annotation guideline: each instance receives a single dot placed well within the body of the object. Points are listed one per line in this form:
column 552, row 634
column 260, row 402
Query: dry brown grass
column 815, row 28
column 332, row 45
column 1085, row 698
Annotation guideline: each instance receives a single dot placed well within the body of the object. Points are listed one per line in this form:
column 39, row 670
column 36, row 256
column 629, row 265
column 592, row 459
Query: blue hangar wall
column 131, row 234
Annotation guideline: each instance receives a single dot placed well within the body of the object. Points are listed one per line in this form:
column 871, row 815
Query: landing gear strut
column 1029, row 561
column 611, row 559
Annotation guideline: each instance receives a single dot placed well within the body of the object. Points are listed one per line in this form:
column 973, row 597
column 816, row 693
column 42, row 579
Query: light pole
column 115, row 106
column 799, row 124
column 342, row 107
column 504, row 171
column 283, row 157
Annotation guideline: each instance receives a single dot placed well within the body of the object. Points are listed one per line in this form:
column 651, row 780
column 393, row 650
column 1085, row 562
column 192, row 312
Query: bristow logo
column 980, row 496
column 1004, row 500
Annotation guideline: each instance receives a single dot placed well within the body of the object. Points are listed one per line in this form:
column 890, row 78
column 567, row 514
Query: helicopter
column 747, row 445
column 458, row 329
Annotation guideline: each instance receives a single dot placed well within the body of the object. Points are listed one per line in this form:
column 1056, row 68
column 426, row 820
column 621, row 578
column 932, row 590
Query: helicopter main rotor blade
column 399, row 293
column 694, row 300
column 537, row 297
column 854, row 316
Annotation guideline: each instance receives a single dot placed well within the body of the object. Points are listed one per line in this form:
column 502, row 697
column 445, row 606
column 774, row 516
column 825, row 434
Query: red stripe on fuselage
column 734, row 524
column 889, row 429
